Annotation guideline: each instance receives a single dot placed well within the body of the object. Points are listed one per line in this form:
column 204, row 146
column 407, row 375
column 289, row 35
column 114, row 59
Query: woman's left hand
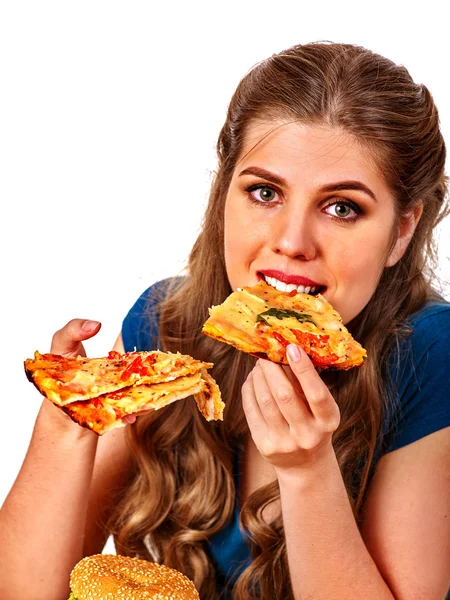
column 291, row 422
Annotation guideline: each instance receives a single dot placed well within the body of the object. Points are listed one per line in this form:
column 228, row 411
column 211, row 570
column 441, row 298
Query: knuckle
column 311, row 441
column 284, row 396
column 320, row 397
column 308, row 438
column 246, row 404
column 288, row 447
column 271, row 447
column 66, row 331
column 266, row 400
column 245, row 387
column 331, row 424
column 66, row 340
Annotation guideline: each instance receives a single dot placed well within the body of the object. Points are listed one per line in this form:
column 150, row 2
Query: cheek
column 234, row 241
column 242, row 241
column 360, row 265
column 357, row 271
column 237, row 223
column 232, row 229
column 364, row 256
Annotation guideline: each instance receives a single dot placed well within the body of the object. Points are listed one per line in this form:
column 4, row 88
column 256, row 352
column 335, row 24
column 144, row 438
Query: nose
column 294, row 235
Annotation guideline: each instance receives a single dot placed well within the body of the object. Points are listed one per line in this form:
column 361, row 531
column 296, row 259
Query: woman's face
column 308, row 207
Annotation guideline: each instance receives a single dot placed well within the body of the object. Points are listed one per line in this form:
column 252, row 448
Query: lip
column 287, row 278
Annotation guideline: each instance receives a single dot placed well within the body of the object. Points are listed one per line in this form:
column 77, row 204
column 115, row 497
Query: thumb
column 68, row 340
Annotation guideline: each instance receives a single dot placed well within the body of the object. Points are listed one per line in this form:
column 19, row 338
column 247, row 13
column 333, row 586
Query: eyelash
column 258, row 186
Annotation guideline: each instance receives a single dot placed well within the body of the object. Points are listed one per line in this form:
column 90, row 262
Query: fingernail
column 294, row 352
column 90, row 325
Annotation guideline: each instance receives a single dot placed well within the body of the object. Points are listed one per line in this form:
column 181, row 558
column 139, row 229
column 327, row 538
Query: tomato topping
column 292, row 293
column 118, row 395
column 96, row 402
column 281, row 339
column 323, row 361
column 113, row 355
column 119, row 413
column 308, row 340
column 135, row 366
column 150, row 360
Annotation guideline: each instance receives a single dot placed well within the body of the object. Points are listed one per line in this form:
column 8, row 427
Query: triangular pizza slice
column 263, row 321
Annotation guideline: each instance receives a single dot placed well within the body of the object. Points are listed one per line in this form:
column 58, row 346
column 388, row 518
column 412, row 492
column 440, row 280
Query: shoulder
column 425, row 337
column 430, row 318
column 419, row 402
column 140, row 326
column 425, row 349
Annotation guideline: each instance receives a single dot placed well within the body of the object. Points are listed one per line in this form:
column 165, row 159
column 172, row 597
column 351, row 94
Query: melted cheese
column 65, row 380
column 236, row 322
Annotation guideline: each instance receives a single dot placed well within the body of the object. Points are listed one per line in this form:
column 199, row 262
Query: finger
column 67, row 340
column 252, row 411
column 321, row 402
column 288, row 394
column 265, row 396
column 129, row 418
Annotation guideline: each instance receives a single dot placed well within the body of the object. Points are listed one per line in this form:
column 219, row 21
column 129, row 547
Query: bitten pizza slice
column 263, row 321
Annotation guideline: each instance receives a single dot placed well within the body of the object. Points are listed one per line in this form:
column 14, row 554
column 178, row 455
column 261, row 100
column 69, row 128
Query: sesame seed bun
column 110, row 576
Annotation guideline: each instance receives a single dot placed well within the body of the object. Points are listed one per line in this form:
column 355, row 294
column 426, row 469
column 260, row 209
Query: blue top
column 420, row 402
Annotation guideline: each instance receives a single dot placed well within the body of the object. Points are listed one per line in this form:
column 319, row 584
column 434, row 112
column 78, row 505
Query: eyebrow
column 349, row 185
column 258, row 172
column 330, row 187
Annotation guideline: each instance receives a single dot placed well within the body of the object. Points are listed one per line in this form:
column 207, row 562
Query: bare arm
column 403, row 550
column 44, row 517
column 406, row 524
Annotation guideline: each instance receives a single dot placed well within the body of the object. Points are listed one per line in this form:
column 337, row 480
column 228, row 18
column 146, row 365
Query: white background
column 109, row 113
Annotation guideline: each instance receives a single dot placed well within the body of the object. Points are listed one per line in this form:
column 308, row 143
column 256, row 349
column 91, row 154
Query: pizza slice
column 263, row 321
column 107, row 411
column 63, row 380
column 99, row 404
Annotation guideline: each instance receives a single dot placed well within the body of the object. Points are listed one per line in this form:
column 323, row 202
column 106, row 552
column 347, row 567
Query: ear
column 407, row 226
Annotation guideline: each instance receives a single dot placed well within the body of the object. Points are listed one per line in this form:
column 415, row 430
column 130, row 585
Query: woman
column 331, row 176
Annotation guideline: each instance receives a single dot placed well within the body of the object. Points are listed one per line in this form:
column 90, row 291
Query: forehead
column 293, row 149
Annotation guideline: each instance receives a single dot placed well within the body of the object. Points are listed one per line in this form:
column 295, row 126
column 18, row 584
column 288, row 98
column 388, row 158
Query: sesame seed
column 109, row 576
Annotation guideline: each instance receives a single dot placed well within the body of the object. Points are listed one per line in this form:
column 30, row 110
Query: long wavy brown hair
column 183, row 489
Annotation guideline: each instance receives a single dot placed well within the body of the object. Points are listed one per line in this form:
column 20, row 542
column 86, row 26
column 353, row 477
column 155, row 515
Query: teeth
column 289, row 287
column 280, row 286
